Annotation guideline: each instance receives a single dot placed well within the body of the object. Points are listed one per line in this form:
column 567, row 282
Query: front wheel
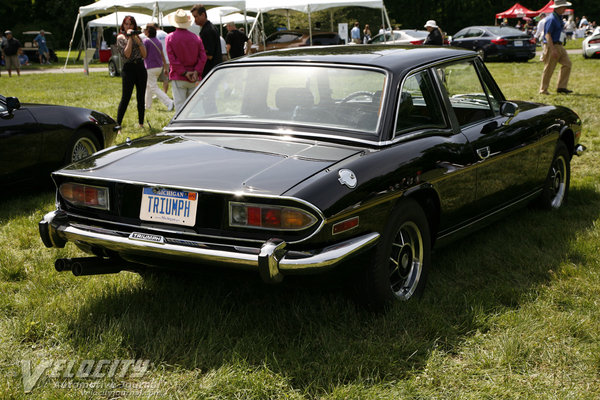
column 556, row 187
column 402, row 258
column 83, row 144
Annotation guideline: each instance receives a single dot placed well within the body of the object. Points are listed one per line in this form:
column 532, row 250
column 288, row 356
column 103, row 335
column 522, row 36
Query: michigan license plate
column 518, row 43
column 169, row 206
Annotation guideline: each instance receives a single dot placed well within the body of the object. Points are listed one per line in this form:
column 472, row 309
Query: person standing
column 554, row 52
column 355, row 33
column 366, row 34
column 162, row 36
column 133, row 52
column 11, row 49
column 539, row 34
column 187, row 57
column 435, row 34
column 210, row 38
column 235, row 41
column 43, row 51
column 155, row 64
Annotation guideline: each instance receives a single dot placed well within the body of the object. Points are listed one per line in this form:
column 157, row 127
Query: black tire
column 402, row 259
column 556, row 187
column 112, row 69
column 82, row 145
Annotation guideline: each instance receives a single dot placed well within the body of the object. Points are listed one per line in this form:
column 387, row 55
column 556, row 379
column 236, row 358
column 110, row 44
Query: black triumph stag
column 305, row 160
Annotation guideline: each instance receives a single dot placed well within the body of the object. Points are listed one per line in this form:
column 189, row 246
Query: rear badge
column 347, row 177
column 146, row 237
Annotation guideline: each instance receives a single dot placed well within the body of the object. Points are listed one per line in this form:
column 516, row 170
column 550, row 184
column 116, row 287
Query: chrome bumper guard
column 270, row 261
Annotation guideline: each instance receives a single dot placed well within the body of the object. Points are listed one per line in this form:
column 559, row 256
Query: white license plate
column 169, row 206
column 518, row 43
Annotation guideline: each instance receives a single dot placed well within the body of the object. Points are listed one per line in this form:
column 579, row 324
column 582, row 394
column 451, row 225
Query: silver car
column 591, row 44
column 405, row 36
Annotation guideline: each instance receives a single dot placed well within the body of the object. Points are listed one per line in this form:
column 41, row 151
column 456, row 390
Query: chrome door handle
column 483, row 152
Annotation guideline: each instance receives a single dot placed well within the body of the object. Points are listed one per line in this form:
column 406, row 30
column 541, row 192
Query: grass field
column 512, row 312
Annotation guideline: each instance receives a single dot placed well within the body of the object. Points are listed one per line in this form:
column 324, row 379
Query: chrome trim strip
column 209, row 253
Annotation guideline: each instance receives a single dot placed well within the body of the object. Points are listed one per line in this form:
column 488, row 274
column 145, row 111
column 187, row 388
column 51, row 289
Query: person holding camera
column 132, row 51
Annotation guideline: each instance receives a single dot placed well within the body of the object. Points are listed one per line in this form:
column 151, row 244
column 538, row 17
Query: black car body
column 301, row 160
column 496, row 42
column 36, row 139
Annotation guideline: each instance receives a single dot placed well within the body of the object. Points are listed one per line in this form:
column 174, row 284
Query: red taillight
column 500, row 41
column 269, row 217
column 85, row 195
column 595, row 41
column 417, row 42
column 532, row 41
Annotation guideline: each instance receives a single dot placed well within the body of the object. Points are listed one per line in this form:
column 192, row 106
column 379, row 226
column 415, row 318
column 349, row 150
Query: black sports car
column 36, row 139
column 303, row 160
column 496, row 42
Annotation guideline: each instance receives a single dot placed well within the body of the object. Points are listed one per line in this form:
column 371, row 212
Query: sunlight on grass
column 511, row 312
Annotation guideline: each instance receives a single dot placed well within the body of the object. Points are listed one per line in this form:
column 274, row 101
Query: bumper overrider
column 272, row 261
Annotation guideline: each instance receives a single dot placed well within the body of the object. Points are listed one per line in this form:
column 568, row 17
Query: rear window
column 348, row 99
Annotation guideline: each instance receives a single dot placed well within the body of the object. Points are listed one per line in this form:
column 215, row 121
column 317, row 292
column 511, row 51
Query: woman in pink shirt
column 186, row 56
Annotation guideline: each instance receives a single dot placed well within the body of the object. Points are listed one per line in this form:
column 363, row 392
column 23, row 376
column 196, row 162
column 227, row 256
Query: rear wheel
column 112, row 69
column 481, row 54
column 556, row 187
column 402, row 258
column 83, row 144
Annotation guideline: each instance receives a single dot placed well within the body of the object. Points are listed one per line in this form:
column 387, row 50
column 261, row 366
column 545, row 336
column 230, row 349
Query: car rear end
column 510, row 43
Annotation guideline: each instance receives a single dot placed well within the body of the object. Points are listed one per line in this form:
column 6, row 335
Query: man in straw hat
column 187, row 57
column 554, row 51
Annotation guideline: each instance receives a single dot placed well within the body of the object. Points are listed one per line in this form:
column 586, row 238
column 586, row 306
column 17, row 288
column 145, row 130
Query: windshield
column 321, row 96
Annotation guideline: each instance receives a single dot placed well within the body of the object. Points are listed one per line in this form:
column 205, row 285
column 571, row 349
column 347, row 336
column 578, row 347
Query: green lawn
column 512, row 312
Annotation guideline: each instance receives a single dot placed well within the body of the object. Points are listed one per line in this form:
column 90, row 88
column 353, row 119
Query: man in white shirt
column 539, row 34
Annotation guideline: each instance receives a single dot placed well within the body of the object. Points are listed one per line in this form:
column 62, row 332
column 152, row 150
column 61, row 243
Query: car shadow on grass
column 310, row 331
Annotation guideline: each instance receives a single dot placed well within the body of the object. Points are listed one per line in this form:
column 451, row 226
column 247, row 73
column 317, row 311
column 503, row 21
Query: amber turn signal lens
column 85, row 195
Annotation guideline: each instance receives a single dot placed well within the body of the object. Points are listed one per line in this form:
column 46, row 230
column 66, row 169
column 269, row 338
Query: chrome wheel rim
column 406, row 260
column 558, row 184
column 83, row 148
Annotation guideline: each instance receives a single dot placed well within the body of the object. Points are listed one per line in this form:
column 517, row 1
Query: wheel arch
column 568, row 138
column 95, row 130
column 429, row 200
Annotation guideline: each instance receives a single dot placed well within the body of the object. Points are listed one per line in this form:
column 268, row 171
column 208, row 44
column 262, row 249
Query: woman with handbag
column 155, row 64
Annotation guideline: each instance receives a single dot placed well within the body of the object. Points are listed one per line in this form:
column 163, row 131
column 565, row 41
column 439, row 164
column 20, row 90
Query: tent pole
column 85, row 60
column 262, row 30
column 309, row 25
column 331, row 19
column 287, row 13
column 71, row 42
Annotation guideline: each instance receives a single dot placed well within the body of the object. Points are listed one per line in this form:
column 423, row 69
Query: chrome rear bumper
column 271, row 260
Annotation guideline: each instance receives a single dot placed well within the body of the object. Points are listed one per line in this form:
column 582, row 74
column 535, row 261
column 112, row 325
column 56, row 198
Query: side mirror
column 509, row 109
column 12, row 103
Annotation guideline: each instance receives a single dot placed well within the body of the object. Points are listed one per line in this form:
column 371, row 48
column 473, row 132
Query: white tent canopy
column 164, row 6
column 308, row 6
column 218, row 15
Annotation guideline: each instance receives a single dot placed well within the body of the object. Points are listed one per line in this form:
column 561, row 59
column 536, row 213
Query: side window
column 461, row 34
column 469, row 99
column 419, row 107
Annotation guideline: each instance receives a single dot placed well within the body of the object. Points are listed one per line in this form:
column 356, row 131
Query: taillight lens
column 532, row 41
column 595, row 41
column 85, row 195
column 417, row 42
column 500, row 41
column 262, row 216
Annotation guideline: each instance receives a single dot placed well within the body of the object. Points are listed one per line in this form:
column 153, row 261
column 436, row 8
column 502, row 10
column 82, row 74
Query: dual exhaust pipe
column 88, row 266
